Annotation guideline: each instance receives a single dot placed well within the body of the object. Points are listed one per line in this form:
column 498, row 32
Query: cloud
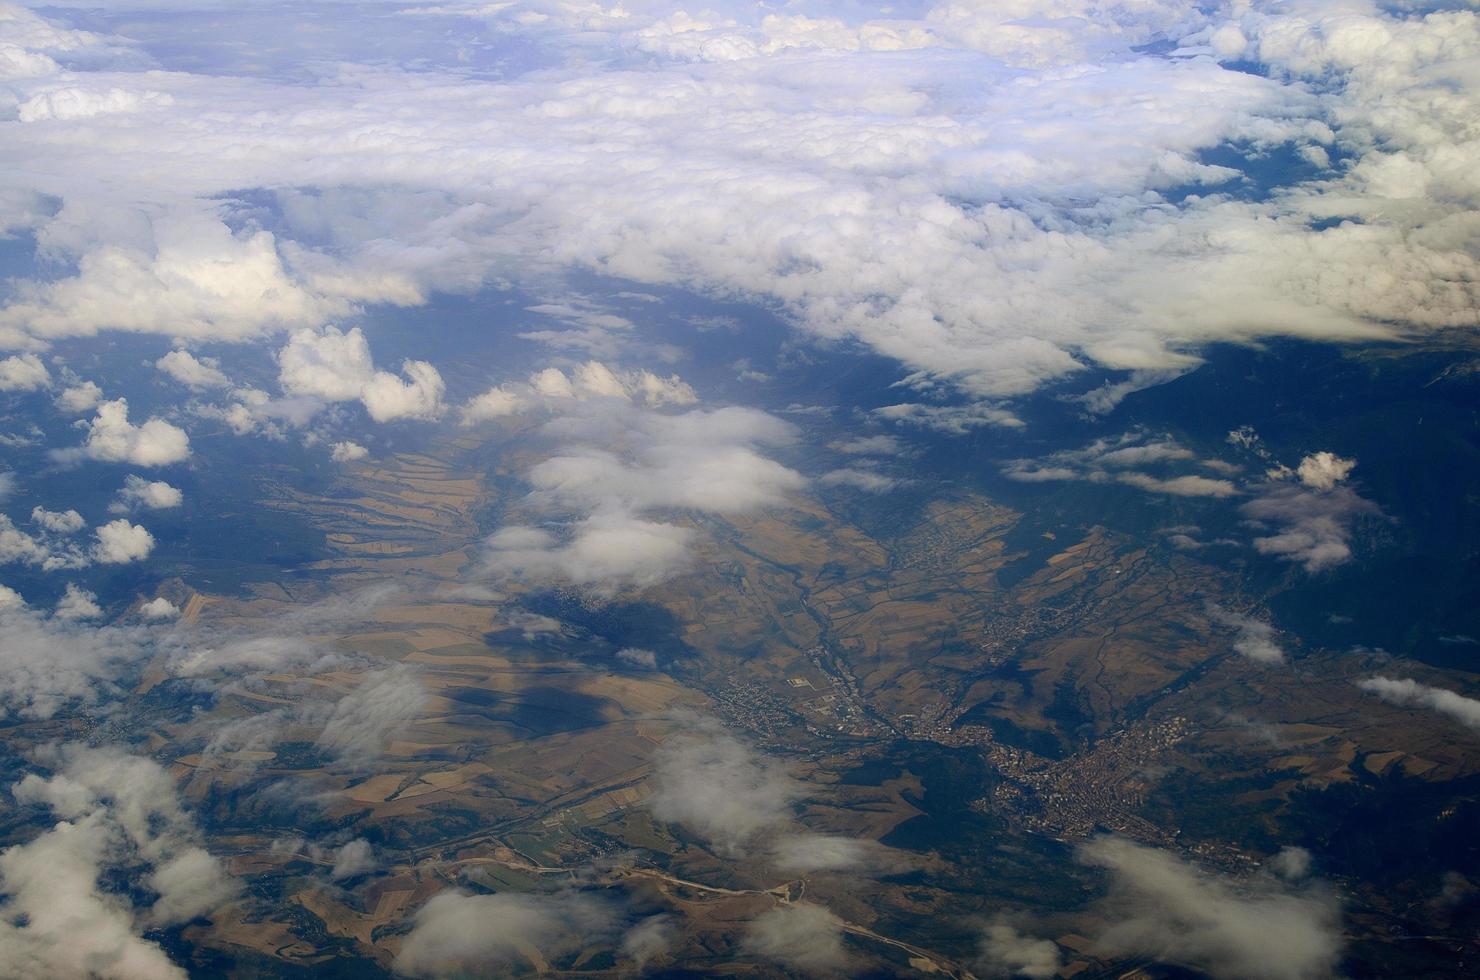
column 456, row 933
column 1314, row 517
column 870, row 446
column 807, row 853
column 1006, row 952
column 1244, row 437
column 717, row 478
column 1291, row 863
column 327, row 364
column 648, row 940
column 722, row 791
column 363, row 721
column 354, row 859
column 653, row 390
column 77, row 603
column 139, row 493
column 495, row 403
column 20, row 440
column 348, row 705
column 116, row 811
column 706, row 461
column 16, row 62
column 1314, row 526
column 347, row 452
column 552, row 383
column 227, row 653
column 701, row 460
column 849, row 172
column 953, row 419
column 18, row 546
column 239, row 741
column 53, row 662
column 23, row 372
column 714, row 786
column 255, row 411
column 112, row 438
column 595, row 380
column 64, row 924
column 531, row 626
column 1180, row 486
column 337, row 366
column 247, row 654
column 859, row 479
column 191, row 883
column 349, row 860
column 800, row 936
column 606, row 551
column 1323, row 470
column 388, row 397
column 1120, row 460
column 1164, row 908
column 1156, row 451
column 159, row 608
column 80, row 398
column 57, row 522
column 119, row 543
column 47, row 551
column 583, row 326
column 191, row 278
column 82, row 103
column 592, row 380
column 1410, row 693
column 197, row 375
column 1106, row 398
column 1255, row 639
column 639, row 658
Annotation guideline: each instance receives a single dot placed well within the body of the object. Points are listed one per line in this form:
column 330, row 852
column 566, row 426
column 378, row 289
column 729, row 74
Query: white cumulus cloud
column 112, row 438
column 336, row 366
column 137, row 493
column 23, row 372
column 347, row 452
column 192, row 372
column 1323, row 470
column 77, row 603
column 159, row 608
column 120, row 542
column 79, row 398
column 58, row 522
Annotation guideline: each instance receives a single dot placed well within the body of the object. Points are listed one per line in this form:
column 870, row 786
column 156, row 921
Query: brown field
column 530, row 756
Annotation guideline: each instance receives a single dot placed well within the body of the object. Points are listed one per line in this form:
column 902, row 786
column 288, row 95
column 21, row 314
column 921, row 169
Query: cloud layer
column 854, row 170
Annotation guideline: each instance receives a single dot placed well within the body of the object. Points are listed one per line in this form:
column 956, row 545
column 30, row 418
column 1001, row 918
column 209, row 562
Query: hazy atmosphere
column 787, row 489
